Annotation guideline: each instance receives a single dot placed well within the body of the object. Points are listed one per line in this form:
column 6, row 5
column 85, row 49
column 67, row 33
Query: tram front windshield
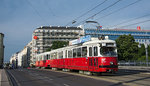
column 108, row 51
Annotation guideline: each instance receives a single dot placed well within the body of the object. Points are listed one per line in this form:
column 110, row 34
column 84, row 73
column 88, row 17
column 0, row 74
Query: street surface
column 48, row 77
column 35, row 77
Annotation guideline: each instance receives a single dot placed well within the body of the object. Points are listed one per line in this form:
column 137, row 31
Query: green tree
column 142, row 53
column 149, row 53
column 58, row 44
column 149, row 50
column 141, row 50
column 127, row 48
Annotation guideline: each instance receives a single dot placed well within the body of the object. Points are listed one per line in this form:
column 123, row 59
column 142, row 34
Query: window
column 108, row 51
column 90, row 51
column 47, row 57
column 74, row 53
column 66, row 54
column 95, row 51
column 55, row 55
column 70, row 54
column 84, row 51
column 61, row 55
column 40, row 57
column 79, row 52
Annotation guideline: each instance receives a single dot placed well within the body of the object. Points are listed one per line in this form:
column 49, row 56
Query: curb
column 13, row 80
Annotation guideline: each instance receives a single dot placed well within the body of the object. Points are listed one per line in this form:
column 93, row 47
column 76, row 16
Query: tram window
column 36, row 58
column 108, row 51
column 84, row 51
column 43, row 57
column 74, row 53
column 90, row 51
column 66, row 54
column 70, row 54
column 61, row 55
column 52, row 56
column 40, row 57
column 95, row 51
column 79, row 52
column 55, row 55
column 47, row 57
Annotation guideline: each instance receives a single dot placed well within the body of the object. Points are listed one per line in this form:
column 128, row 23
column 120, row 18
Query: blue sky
column 19, row 18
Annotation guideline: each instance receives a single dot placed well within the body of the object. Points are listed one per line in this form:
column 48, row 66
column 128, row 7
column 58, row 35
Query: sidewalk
column 3, row 78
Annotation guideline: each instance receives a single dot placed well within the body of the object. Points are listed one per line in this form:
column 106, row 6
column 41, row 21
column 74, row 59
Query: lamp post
column 146, row 46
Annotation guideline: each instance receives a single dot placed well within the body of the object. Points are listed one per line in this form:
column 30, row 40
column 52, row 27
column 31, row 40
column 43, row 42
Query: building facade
column 1, row 50
column 140, row 36
column 22, row 58
column 29, row 54
column 43, row 37
column 14, row 60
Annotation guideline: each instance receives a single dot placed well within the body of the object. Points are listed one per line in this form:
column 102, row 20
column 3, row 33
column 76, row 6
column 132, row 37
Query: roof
column 2, row 34
column 59, row 27
column 116, row 29
column 96, row 40
column 142, row 30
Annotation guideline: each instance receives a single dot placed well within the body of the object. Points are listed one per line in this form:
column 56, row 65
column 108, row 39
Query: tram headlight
column 111, row 63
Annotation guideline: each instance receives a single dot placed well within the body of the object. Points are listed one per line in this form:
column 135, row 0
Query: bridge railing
column 133, row 63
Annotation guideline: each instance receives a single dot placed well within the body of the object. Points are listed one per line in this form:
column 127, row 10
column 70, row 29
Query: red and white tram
column 93, row 56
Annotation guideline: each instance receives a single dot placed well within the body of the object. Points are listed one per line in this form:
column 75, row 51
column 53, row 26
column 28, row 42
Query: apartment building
column 43, row 37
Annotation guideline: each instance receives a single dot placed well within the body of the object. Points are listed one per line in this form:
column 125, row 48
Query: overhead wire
column 119, row 9
column 99, row 12
column 87, row 12
column 130, row 20
column 134, row 23
column 36, row 11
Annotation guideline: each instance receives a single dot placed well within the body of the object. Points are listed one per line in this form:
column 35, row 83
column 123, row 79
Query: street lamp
column 146, row 46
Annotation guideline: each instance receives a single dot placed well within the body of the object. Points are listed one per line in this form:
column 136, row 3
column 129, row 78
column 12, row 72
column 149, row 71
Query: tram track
column 133, row 79
column 40, row 77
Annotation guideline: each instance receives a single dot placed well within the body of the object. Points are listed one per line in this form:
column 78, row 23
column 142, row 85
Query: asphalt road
column 35, row 77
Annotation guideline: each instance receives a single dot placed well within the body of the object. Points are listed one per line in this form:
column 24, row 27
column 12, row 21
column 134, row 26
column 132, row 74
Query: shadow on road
column 124, row 72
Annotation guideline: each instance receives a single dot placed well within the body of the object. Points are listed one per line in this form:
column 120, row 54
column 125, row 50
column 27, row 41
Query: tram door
column 93, row 60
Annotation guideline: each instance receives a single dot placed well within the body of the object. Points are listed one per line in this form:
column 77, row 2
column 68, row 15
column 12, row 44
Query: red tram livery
column 86, row 55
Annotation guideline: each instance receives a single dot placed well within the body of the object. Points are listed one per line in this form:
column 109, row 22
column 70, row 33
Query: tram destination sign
column 80, row 40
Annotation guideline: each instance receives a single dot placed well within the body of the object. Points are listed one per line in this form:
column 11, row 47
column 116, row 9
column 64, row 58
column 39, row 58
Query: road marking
column 50, row 79
column 47, row 78
column 66, row 85
column 97, row 78
column 144, row 73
